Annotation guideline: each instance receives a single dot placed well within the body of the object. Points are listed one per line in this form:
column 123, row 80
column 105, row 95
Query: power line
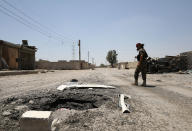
column 26, row 22
column 35, row 21
column 22, row 22
column 14, row 14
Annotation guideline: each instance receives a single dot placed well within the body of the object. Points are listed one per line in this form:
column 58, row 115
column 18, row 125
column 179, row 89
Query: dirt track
column 166, row 104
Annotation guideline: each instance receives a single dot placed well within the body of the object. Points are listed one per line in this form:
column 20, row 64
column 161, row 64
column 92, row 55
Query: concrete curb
column 22, row 72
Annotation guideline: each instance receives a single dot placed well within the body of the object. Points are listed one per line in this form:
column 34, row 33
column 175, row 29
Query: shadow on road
column 150, row 86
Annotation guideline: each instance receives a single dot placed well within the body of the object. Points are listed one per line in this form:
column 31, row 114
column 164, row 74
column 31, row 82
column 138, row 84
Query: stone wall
column 62, row 65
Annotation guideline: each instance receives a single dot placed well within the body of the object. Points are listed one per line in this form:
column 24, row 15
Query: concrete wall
column 123, row 65
column 189, row 58
column 127, row 65
column 62, row 65
column 132, row 64
column 86, row 65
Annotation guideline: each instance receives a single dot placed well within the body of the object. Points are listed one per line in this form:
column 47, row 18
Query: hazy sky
column 164, row 26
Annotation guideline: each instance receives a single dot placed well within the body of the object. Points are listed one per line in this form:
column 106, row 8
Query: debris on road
column 21, row 107
column 6, row 113
column 55, row 124
column 188, row 72
column 125, row 108
column 127, row 96
column 83, row 86
column 54, row 100
column 184, row 72
column 35, row 121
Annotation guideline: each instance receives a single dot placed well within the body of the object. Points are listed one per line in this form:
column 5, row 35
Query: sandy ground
column 166, row 104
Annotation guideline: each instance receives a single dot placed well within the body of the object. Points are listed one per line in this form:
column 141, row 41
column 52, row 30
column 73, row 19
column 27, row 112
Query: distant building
column 127, row 65
column 63, row 65
column 16, row 56
column 123, row 65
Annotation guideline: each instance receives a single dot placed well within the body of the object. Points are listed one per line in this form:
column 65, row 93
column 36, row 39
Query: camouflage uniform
column 143, row 65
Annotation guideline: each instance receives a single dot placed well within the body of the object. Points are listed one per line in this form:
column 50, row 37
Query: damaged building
column 188, row 56
column 180, row 62
column 17, row 56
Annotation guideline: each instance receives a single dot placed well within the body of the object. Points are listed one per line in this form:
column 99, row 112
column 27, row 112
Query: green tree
column 112, row 57
column 102, row 65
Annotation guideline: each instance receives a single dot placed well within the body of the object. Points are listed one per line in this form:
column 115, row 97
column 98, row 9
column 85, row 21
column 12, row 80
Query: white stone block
column 35, row 121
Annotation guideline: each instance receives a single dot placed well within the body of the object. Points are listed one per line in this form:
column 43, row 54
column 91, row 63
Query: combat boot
column 144, row 83
column 136, row 82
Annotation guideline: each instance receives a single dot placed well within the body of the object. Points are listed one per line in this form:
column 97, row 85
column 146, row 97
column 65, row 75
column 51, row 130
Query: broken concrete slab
column 55, row 124
column 83, row 86
column 122, row 104
column 31, row 102
column 35, row 121
column 6, row 113
column 62, row 87
column 21, row 107
column 127, row 96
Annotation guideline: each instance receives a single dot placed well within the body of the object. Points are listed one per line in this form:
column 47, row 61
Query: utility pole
column 88, row 56
column 79, row 44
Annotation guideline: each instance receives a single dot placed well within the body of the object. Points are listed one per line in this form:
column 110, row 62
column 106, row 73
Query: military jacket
column 143, row 53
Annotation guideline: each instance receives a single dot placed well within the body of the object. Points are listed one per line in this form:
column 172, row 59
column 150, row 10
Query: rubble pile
column 167, row 64
column 77, row 100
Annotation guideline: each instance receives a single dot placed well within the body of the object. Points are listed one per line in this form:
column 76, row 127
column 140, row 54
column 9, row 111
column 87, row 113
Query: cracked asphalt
column 166, row 104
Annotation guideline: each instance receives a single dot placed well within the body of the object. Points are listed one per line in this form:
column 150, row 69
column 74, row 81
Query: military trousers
column 143, row 69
